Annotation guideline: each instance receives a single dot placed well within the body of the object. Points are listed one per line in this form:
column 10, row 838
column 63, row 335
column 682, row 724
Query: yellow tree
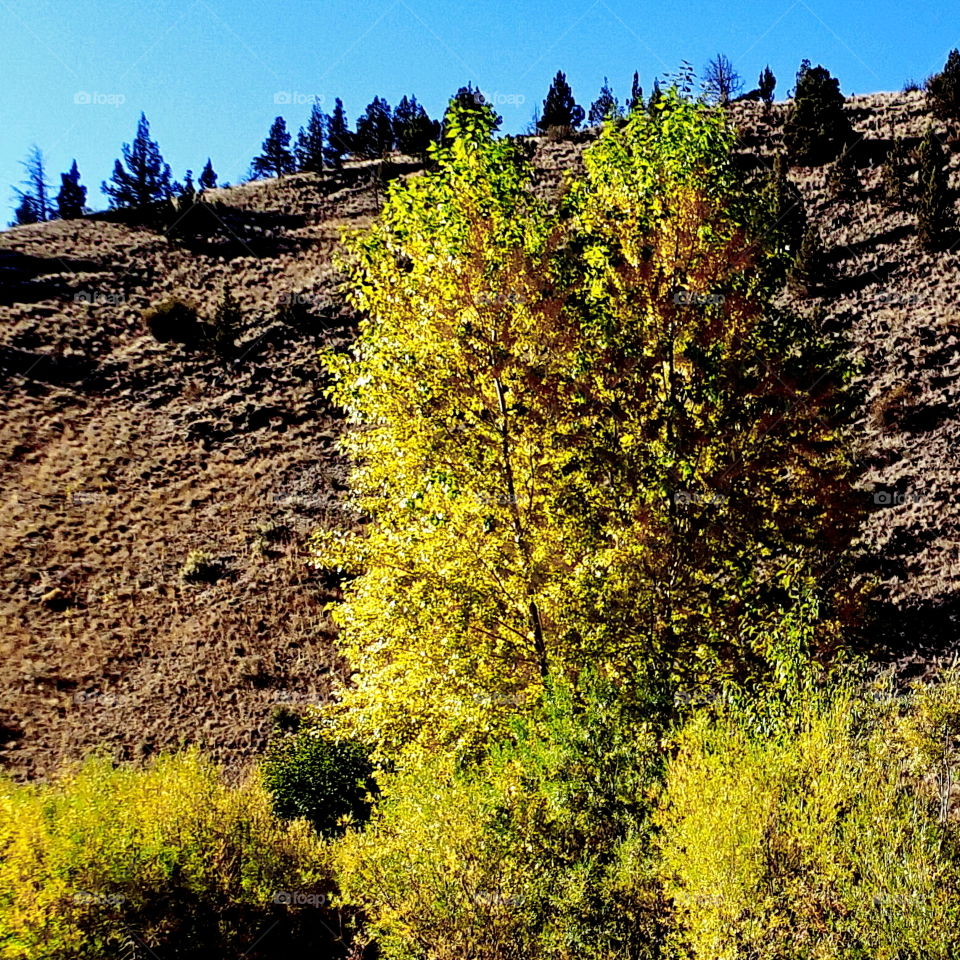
column 579, row 438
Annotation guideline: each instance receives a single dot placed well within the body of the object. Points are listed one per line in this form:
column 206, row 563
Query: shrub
column 816, row 127
column 173, row 320
column 223, row 330
column 943, row 89
column 895, row 174
column 200, row 567
column 167, row 858
column 934, row 212
column 540, row 850
column 815, row 833
column 318, row 777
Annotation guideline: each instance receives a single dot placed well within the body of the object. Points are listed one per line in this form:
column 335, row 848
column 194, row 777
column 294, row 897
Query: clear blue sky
column 212, row 74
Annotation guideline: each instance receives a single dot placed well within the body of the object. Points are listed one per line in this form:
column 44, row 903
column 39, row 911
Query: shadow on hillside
column 842, row 286
column 920, row 632
column 51, row 369
column 847, row 250
column 28, row 279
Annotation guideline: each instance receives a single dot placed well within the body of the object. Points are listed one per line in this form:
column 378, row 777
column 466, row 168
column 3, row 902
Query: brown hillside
column 123, row 454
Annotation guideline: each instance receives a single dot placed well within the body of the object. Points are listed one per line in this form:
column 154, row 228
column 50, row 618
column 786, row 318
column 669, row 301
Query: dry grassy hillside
column 122, row 455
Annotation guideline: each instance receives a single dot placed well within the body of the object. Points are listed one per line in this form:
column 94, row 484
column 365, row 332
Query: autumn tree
column 470, row 100
column 576, row 434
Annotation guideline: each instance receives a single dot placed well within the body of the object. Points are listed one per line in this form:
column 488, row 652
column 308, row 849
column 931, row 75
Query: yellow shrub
column 168, row 856
column 818, row 839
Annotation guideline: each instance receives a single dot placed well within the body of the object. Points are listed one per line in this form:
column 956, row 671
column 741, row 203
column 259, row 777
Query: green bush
column 540, row 850
column 319, row 778
column 167, row 857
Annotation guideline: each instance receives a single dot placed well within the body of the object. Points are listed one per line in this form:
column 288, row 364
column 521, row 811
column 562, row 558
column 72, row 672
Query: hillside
column 122, row 454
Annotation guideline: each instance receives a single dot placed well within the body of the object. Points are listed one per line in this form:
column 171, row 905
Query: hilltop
column 123, row 454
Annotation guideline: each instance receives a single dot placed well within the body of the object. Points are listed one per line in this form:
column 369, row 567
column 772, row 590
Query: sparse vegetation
column 200, row 567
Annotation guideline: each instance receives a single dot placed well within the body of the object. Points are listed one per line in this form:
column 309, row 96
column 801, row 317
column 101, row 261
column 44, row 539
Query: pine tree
column 469, row 102
column 933, row 199
column 339, row 137
column 26, row 211
column 72, row 196
column 36, row 183
column 374, row 136
column 636, row 94
column 276, row 159
column 816, row 127
column 143, row 177
column 943, row 89
column 208, row 177
column 766, row 84
column 560, row 110
column 189, row 191
column 605, row 107
column 843, row 181
column 309, row 149
column 413, row 130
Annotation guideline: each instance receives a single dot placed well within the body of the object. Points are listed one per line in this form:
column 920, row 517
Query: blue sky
column 212, row 74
